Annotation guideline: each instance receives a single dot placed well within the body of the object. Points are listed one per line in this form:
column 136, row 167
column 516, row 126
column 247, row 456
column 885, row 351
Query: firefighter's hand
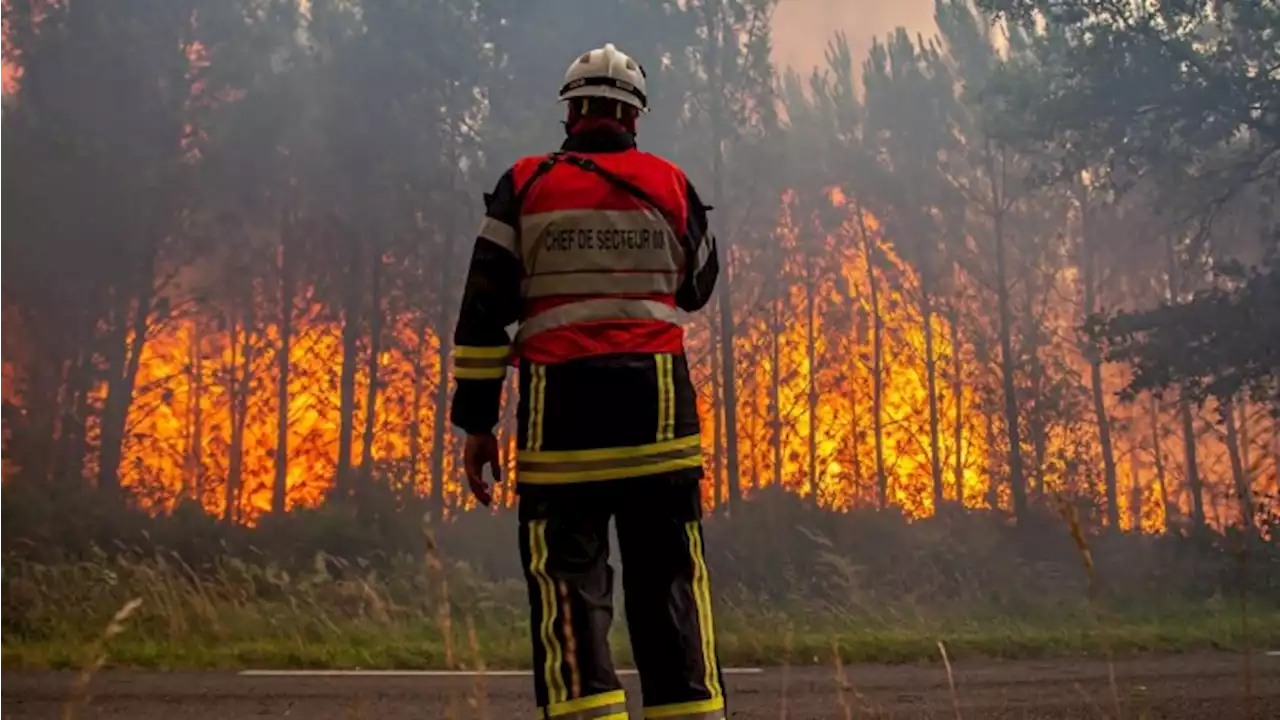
column 479, row 451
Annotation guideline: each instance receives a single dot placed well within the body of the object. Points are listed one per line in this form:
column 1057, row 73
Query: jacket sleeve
column 490, row 302
column 703, row 267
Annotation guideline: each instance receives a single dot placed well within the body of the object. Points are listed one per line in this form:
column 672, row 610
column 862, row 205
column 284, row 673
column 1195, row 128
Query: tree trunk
column 124, row 355
column 877, row 360
column 1017, row 484
column 931, row 377
column 775, row 394
column 855, row 430
column 375, row 350
column 717, row 408
column 993, row 484
column 347, row 379
column 1158, row 459
column 240, row 376
column 195, row 456
column 1239, row 477
column 1089, row 266
column 1135, row 490
column 957, row 377
column 812, row 341
column 415, row 406
column 280, row 487
column 728, row 368
column 67, row 443
column 1194, row 484
column 1037, row 424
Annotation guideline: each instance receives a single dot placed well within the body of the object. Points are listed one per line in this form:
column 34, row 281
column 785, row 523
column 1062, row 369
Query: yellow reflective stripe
column 626, row 451
column 467, row 373
column 556, row 692
column 570, row 642
column 590, row 702
column 537, row 398
column 481, row 352
column 616, row 716
column 702, row 599
column 696, row 708
column 560, row 478
column 472, row 362
column 666, row 397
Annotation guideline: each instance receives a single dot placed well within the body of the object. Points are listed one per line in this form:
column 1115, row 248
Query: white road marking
column 1273, row 653
column 437, row 673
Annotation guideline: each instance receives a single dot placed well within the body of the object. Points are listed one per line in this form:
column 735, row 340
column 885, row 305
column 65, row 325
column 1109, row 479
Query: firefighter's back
column 605, row 392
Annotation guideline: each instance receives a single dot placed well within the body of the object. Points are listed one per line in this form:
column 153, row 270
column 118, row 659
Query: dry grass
column 79, row 694
column 336, row 613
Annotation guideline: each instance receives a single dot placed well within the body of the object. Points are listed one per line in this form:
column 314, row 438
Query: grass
column 792, row 585
column 338, row 615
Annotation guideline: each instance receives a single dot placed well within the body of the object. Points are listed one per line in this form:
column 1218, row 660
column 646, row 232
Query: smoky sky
column 802, row 28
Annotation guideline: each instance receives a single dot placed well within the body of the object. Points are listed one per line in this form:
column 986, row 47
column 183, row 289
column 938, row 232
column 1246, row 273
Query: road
column 1187, row 686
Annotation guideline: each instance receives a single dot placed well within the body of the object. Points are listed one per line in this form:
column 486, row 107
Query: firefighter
column 593, row 250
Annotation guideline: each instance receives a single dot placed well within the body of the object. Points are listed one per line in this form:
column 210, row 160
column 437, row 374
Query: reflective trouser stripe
column 712, row 709
column 556, row 690
column 603, row 706
column 702, row 600
column 593, row 310
column 666, row 397
column 567, row 466
column 480, row 363
column 537, row 398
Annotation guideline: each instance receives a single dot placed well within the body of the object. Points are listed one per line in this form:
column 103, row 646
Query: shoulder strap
column 588, row 165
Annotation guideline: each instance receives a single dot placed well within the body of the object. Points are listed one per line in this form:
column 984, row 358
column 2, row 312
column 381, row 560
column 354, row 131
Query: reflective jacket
column 593, row 251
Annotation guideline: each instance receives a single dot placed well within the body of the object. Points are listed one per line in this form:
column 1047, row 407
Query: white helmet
column 606, row 72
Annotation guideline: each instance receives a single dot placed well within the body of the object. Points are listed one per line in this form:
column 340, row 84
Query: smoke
column 802, row 28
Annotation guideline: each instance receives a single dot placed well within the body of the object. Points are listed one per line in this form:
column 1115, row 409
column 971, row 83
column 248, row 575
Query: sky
column 802, row 28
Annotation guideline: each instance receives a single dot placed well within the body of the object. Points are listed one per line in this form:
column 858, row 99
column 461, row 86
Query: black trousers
column 564, row 544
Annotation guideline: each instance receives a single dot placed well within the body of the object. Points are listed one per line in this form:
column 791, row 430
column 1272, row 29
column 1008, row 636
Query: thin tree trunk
column 375, row 350
column 717, row 408
column 855, row 429
column 347, row 379
column 124, row 356
column 1017, row 484
column 444, row 341
column 993, row 484
column 775, row 394
column 716, row 110
column 1036, row 421
column 931, row 376
column 1158, row 458
column 1194, row 485
column 280, row 487
column 812, row 340
column 1189, row 449
column 240, row 377
column 1089, row 265
column 67, row 444
column 415, row 406
column 1238, row 475
column 958, row 399
column 877, row 361
column 1135, row 490
column 196, row 454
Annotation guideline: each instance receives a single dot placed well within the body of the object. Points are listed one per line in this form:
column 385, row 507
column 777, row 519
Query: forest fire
column 807, row 399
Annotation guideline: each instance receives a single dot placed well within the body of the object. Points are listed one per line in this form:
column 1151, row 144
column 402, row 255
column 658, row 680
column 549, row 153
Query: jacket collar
column 599, row 140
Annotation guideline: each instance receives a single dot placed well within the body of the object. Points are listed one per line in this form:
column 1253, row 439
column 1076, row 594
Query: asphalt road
column 1188, row 686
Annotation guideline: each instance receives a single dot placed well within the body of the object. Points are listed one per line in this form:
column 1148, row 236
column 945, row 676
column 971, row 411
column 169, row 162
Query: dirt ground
column 1187, row 686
